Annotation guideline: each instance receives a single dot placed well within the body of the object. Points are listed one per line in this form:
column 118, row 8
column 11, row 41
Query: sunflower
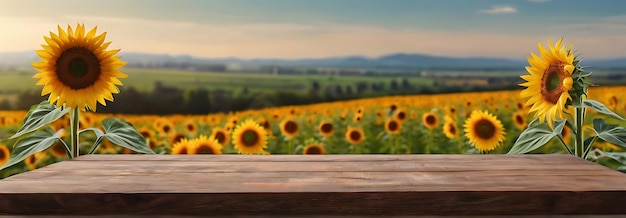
column 430, row 120
column 567, row 135
column 355, row 135
column 289, row 128
column 164, row 126
column 181, row 147
column 313, row 149
column 612, row 101
column 33, row 161
column 58, row 150
column 148, row 135
column 77, row 70
column 450, row 129
column 484, row 130
column 549, row 81
column 326, row 129
column 190, row 126
column 221, row 135
column 204, row 145
column 265, row 124
column 177, row 137
column 249, row 138
column 392, row 108
column 401, row 115
column 107, row 147
column 519, row 120
column 4, row 154
column 86, row 120
column 393, row 126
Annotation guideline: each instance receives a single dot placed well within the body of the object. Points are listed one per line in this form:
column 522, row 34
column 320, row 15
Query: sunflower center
column 191, row 127
column 2, row 155
column 401, row 115
column 519, row 119
column 355, row 136
column 291, row 127
column 166, row 129
column 485, row 129
column 204, row 149
column 249, row 138
column 78, row 68
column 145, row 133
column 220, row 137
column 313, row 150
column 183, row 150
column 393, row 126
column 327, row 127
column 177, row 138
column 452, row 129
column 58, row 149
column 266, row 125
column 430, row 120
column 552, row 82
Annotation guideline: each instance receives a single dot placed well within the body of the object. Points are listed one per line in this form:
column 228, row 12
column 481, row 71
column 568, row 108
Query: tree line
column 162, row 99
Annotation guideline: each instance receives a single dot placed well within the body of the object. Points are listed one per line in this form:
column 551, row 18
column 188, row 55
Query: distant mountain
column 18, row 58
column 391, row 61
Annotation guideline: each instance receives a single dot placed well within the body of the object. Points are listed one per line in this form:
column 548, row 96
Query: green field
column 145, row 79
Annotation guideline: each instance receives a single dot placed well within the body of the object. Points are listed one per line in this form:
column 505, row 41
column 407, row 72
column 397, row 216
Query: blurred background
column 208, row 56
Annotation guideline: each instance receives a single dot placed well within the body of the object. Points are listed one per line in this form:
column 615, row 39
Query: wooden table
column 316, row 185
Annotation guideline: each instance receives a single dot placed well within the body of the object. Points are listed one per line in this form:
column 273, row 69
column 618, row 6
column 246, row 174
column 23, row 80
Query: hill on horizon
column 398, row 61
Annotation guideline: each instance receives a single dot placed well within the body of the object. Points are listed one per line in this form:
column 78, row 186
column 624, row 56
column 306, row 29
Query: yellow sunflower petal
column 60, row 80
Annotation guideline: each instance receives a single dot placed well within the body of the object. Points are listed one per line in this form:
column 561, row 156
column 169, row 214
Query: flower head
column 77, row 70
column 548, row 82
column 484, row 130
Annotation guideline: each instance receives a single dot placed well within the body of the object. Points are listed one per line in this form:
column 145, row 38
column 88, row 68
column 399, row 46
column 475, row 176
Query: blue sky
column 321, row 28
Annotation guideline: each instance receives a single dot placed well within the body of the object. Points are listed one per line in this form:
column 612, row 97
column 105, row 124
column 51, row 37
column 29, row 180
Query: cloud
column 538, row 1
column 497, row 9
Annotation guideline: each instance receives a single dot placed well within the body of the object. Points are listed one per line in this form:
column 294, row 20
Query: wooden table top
column 316, row 185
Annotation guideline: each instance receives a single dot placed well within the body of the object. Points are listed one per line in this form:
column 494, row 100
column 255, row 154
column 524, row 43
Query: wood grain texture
column 316, row 185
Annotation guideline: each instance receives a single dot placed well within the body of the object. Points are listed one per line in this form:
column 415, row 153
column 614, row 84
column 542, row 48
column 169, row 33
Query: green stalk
column 74, row 122
column 428, row 144
column 290, row 146
column 579, row 146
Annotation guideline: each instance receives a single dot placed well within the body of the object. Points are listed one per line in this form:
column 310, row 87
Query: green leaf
column 32, row 144
column 618, row 156
column 610, row 132
column 39, row 116
column 122, row 133
column 622, row 169
column 600, row 108
column 535, row 136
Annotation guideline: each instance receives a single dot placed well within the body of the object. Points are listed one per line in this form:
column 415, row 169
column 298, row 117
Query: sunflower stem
column 74, row 122
column 428, row 144
column 580, row 116
column 290, row 146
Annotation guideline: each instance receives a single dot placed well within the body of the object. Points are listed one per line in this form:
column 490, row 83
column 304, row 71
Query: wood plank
column 534, row 158
column 310, row 166
column 316, row 185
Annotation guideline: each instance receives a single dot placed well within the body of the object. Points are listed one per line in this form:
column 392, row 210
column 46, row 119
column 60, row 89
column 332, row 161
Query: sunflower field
column 416, row 124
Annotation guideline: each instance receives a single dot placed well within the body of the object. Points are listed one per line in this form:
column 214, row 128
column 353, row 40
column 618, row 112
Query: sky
column 292, row 29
